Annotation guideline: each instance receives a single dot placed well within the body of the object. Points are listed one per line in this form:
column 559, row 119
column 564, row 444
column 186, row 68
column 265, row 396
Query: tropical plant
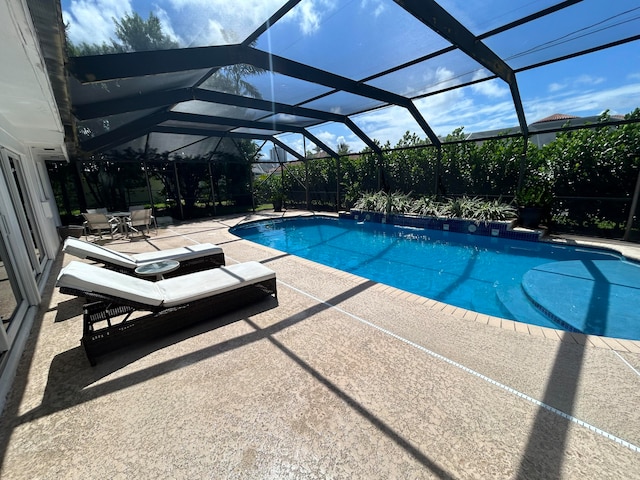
column 427, row 207
column 494, row 210
column 397, row 203
column 463, row 207
column 372, row 202
column 456, row 207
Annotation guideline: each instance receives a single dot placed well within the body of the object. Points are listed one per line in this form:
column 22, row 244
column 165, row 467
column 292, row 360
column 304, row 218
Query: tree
column 343, row 148
column 134, row 34
column 86, row 49
column 230, row 79
column 138, row 35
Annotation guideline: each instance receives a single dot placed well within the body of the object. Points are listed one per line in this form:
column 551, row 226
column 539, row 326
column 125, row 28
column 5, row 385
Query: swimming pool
column 571, row 288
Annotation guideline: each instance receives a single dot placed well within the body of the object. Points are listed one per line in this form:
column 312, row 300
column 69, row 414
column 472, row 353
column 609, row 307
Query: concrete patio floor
column 341, row 378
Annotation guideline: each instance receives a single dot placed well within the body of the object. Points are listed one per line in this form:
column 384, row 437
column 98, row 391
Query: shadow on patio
column 303, row 388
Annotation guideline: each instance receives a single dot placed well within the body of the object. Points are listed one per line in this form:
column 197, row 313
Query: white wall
column 30, row 125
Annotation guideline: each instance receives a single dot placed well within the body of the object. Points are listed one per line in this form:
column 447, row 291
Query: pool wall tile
column 470, row 227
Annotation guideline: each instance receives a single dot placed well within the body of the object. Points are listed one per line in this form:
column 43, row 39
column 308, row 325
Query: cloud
column 432, row 79
column 443, row 112
column 328, row 138
column 308, row 17
column 219, row 22
column 554, row 87
column 190, row 22
column 618, row 100
column 309, row 14
column 441, row 105
column 575, row 82
column 386, row 125
column 333, row 134
column 91, row 21
column 330, row 134
column 495, row 88
column 167, row 28
column 588, row 80
column 376, row 7
column 293, row 141
column 212, row 33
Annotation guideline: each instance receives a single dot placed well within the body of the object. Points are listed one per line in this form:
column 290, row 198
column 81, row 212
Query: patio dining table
column 122, row 223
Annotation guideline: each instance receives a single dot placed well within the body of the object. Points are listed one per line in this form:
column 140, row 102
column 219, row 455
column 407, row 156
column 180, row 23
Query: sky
column 356, row 38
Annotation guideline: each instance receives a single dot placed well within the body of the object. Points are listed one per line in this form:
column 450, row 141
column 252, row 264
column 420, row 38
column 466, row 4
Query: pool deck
column 343, row 378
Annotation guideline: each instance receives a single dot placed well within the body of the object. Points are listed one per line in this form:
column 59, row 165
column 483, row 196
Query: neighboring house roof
column 563, row 116
column 545, row 127
column 555, row 117
column 260, row 168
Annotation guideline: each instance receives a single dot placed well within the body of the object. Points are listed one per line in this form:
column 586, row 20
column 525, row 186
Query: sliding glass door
column 10, row 294
column 31, row 235
column 22, row 256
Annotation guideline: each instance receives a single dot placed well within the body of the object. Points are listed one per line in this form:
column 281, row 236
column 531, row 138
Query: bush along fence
column 588, row 175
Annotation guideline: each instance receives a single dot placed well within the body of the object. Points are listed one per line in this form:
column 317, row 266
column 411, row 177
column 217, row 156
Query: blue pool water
column 578, row 289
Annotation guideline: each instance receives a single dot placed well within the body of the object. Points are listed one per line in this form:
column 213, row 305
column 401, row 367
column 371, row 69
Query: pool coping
column 629, row 251
column 617, row 344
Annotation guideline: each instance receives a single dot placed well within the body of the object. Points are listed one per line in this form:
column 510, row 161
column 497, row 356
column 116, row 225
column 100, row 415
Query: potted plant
column 276, row 193
column 277, row 198
column 534, row 203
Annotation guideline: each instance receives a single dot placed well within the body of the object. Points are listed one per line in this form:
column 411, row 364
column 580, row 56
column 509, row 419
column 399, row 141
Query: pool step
column 515, row 302
column 595, row 296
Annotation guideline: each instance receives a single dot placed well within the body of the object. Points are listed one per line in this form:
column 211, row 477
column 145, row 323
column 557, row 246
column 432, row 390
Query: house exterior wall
column 30, row 130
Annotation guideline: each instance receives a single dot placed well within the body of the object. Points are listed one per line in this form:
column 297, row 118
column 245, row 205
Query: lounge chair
column 126, row 309
column 192, row 258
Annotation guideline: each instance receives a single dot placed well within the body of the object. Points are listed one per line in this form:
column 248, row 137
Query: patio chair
column 142, row 207
column 96, row 223
column 125, row 309
column 139, row 220
column 97, row 210
column 192, row 258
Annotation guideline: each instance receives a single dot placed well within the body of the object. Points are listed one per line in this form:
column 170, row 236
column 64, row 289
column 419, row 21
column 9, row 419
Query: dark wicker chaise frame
column 189, row 265
column 108, row 322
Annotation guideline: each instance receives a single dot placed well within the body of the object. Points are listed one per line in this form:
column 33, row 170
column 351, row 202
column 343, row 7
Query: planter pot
column 277, row 205
column 75, row 231
column 529, row 217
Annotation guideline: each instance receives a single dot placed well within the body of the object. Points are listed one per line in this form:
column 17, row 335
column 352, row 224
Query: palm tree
column 343, row 149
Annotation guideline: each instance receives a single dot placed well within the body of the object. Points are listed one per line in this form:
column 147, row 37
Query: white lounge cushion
column 168, row 293
column 194, row 286
column 81, row 249
column 90, row 278
column 180, row 253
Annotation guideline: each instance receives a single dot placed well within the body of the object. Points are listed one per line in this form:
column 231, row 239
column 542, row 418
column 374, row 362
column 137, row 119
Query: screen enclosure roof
column 318, row 72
